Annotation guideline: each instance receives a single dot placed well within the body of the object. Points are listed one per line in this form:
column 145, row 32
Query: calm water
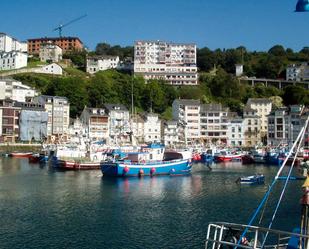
column 44, row 208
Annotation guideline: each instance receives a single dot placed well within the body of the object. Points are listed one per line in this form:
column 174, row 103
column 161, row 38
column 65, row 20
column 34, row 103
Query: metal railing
column 222, row 235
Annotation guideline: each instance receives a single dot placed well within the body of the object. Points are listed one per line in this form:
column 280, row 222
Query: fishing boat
column 71, row 164
column 227, row 156
column 232, row 235
column 150, row 160
column 254, row 179
column 20, row 154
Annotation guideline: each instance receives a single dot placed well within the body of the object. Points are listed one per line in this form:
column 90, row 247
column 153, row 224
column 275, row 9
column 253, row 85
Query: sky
column 256, row 24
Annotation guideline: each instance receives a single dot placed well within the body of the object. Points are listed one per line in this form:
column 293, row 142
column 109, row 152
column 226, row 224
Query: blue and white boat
column 151, row 160
column 254, row 179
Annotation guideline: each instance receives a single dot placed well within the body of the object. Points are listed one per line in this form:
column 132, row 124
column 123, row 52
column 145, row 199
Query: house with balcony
column 96, row 122
column 263, row 107
column 58, row 109
column 119, row 122
column 170, row 131
column 235, row 132
column 251, row 122
column 187, row 113
column 152, row 128
column 214, row 123
column 285, row 123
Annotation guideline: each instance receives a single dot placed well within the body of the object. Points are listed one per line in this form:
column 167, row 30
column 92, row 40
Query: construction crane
column 59, row 28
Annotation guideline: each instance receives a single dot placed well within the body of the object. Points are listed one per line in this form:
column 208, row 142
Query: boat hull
column 258, row 179
column 75, row 165
column 21, row 154
column 228, row 158
column 123, row 169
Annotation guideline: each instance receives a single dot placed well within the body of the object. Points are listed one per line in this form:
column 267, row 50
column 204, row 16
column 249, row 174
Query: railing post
column 207, row 236
column 215, row 238
column 255, row 238
column 220, row 236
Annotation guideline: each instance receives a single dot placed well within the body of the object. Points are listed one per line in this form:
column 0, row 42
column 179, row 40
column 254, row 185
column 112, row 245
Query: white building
column 96, row 122
column 152, row 128
column 119, row 122
column 76, row 129
column 214, row 123
column 50, row 69
column 15, row 90
column 8, row 44
column 187, row 113
column 239, row 70
column 50, row 53
column 235, row 132
column 298, row 72
column 137, row 127
column 12, row 60
column 263, row 108
column 58, row 109
column 172, row 62
column 101, row 63
column 170, row 131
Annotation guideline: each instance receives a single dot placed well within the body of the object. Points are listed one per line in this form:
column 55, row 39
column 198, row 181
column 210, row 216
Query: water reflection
column 86, row 210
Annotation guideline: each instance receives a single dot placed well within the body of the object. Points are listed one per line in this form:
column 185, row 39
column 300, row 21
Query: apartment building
column 15, row 90
column 235, row 132
column 285, row 123
column 58, row 109
column 13, row 60
column 96, row 122
column 50, row 53
column 119, row 122
column 263, row 108
column 251, row 122
column 172, row 62
column 65, row 43
column 298, row 72
column 214, row 123
column 100, row 63
column 8, row 44
column 152, row 128
column 187, row 113
column 9, row 121
column 137, row 127
column 170, row 131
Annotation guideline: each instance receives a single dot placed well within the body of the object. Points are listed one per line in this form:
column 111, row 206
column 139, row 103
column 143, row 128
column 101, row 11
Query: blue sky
column 255, row 24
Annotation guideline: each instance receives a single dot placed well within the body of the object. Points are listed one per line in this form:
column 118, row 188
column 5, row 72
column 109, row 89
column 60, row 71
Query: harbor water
column 44, row 208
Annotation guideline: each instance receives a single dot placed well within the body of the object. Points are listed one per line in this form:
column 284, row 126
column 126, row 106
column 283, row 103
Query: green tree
column 78, row 97
column 293, row 95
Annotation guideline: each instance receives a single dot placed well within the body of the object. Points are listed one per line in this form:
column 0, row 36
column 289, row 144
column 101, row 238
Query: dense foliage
column 217, row 83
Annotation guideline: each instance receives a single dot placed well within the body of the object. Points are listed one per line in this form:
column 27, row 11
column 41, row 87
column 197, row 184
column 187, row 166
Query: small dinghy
column 255, row 179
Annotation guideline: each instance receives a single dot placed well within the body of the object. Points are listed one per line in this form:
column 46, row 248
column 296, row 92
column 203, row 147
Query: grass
column 75, row 72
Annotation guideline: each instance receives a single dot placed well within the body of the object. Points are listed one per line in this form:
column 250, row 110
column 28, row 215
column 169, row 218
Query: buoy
column 125, row 169
column 152, row 171
column 140, row 172
column 172, row 171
